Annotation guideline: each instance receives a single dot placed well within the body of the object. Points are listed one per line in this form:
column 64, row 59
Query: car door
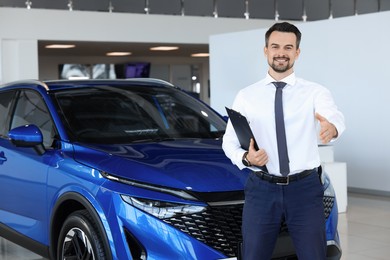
column 23, row 172
column 6, row 99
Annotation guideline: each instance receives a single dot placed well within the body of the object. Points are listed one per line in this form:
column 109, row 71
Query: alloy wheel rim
column 77, row 246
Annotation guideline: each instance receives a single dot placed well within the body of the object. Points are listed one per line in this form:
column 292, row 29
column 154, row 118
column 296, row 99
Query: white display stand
column 337, row 172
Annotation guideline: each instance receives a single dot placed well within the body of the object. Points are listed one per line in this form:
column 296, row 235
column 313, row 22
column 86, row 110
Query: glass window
column 5, row 104
column 31, row 109
column 111, row 114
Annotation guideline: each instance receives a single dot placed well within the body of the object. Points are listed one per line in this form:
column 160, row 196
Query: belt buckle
column 284, row 183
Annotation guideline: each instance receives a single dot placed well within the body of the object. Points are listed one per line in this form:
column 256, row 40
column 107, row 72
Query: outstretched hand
column 328, row 131
column 256, row 158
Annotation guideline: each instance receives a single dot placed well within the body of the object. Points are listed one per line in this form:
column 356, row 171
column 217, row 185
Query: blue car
column 122, row 169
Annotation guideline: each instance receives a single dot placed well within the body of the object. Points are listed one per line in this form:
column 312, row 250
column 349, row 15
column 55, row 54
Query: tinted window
column 107, row 114
column 5, row 104
column 31, row 109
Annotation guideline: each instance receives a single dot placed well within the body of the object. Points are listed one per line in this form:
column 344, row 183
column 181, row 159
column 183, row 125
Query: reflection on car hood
column 198, row 164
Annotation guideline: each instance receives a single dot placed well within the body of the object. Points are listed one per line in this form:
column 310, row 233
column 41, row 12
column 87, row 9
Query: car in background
column 122, row 169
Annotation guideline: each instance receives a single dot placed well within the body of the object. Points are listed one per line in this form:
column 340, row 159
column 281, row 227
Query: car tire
column 80, row 239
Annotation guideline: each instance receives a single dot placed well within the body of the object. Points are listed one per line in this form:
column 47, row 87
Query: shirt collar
column 290, row 79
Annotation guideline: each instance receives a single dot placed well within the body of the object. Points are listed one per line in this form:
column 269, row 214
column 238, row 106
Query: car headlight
column 176, row 192
column 162, row 209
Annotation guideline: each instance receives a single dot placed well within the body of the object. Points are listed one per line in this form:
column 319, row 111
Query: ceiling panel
column 231, row 8
column 172, row 7
column 264, row 9
column 198, row 7
column 290, row 9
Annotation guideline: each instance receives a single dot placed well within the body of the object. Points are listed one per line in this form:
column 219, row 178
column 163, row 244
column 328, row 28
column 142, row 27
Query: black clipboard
column 243, row 130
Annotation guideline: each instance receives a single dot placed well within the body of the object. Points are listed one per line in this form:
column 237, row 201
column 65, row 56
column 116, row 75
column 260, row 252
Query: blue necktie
column 280, row 129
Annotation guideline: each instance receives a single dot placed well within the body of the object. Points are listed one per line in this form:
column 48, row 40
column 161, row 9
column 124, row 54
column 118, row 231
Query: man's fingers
column 259, row 158
column 320, row 118
column 252, row 144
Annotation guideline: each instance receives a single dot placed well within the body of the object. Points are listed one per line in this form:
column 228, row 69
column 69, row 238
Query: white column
column 337, row 172
column 19, row 60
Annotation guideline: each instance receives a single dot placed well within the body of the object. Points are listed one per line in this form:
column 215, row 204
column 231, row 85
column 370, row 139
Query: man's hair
column 283, row 27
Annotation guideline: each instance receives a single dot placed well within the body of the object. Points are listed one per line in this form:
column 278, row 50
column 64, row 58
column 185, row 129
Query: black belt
column 283, row 180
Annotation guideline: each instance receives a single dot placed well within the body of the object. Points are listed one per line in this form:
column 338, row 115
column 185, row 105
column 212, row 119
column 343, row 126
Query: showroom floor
column 364, row 231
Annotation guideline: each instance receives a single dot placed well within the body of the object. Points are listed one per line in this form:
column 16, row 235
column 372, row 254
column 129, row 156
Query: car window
column 31, row 109
column 106, row 114
column 5, row 104
column 184, row 116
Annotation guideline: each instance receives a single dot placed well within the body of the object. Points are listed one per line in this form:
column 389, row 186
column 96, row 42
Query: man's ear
column 265, row 51
column 298, row 53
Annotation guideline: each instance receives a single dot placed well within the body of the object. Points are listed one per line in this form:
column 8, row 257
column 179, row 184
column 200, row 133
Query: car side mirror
column 27, row 136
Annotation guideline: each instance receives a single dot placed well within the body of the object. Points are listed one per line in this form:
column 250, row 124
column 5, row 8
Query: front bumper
column 211, row 234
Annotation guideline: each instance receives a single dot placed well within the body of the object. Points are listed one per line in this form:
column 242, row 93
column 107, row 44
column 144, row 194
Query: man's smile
column 281, row 59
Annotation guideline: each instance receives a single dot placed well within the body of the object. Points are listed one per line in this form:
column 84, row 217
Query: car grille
column 328, row 205
column 220, row 226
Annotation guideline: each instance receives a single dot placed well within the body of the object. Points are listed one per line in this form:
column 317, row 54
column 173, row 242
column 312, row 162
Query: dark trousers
column 300, row 203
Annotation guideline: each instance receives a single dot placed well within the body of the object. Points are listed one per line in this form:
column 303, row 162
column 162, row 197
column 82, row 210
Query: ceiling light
column 164, row 48
column 118, row 53
column 60, row 46
column 200, row 55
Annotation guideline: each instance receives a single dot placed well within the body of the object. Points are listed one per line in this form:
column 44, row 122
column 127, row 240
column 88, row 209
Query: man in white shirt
column 295, row 194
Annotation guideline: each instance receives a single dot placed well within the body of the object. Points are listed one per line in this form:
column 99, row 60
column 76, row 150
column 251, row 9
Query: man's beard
column 281, row 68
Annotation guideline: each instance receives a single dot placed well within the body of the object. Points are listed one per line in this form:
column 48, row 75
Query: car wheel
column 80, row 239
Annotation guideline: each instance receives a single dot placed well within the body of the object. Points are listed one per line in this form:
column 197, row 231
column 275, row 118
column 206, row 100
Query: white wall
column 348, row 55
column 18, row 23
column 19, row 56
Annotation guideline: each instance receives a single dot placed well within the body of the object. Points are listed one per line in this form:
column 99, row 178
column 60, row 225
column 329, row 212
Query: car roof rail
column 154, row 80
column 45, row 83
column 146, row 80
column 27, row 82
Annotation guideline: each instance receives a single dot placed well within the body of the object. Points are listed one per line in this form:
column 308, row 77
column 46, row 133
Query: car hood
column 196, row 164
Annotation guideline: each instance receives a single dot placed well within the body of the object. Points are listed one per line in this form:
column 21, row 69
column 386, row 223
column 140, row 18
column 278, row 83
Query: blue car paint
column 123, row 215
column 27, row 133
column 179, row 164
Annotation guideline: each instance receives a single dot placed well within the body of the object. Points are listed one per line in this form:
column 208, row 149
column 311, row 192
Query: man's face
column 281, row 51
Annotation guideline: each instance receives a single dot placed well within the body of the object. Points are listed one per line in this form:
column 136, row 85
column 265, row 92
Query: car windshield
column 126, row 114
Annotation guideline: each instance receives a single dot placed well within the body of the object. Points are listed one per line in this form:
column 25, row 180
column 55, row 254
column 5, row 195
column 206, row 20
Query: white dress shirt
column 301, row 100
